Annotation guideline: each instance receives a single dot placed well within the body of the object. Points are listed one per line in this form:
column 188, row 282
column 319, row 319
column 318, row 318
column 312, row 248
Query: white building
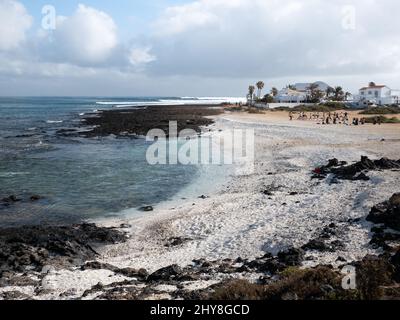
column 378, row 94
column 291, row 96
column 304, row 87
column 299, row 92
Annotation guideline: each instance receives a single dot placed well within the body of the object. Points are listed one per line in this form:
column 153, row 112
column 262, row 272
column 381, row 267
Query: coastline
column 173, row 220
column 241, row 220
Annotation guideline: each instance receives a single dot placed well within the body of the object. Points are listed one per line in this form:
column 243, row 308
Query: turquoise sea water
column 78, row 178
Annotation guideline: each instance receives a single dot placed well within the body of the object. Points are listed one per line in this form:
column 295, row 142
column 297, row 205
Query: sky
column 194, row 48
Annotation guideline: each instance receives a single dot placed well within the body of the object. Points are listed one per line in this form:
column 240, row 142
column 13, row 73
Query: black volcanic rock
column 11, row 199
column 37, row 246
column 147, row 208
column 134, row 122
column 387, row 213
column 165, row 274
column 316, row 245
column 291, row 257
column 355, row 171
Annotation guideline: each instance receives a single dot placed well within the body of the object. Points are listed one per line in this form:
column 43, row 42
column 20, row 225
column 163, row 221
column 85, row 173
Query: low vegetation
column 375, row 278
column 382, row 110
column 234, row 108
column 382, row 119
column 255, row 111
column 323, row 107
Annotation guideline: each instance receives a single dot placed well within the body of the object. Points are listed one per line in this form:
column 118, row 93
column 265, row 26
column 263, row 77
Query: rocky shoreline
column 27, row 255
column 135, row 122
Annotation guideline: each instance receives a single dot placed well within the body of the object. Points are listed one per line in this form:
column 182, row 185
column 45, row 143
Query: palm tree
column 338, row 93
column 251, row 93
column 274, row 92
column 329, row 92
column 347, row 95
column 260, row 85
column 315, row 94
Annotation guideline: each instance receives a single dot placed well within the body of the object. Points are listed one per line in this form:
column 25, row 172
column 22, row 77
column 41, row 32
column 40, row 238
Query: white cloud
column 14, row 23
column 89, row 36
column 273, row 38
column 221, row 45
column 181, row 18
column 141, row 56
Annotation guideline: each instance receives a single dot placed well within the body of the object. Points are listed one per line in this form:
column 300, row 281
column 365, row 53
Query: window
column 362, row 93
column 369, row 92
column 376, row 93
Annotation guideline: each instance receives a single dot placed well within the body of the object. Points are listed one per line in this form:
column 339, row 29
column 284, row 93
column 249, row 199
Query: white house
column 291, row 96
column 298, row 92
column 378, row 94
column 304, row 87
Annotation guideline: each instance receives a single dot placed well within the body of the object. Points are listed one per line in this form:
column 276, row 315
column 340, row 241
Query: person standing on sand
column 346, row 119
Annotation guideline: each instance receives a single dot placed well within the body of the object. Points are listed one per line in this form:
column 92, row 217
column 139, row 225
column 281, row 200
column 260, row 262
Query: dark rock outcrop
column 355, row 171
column 387, row 213
column 36, row 246
column 291, row 257
column 177, row 241
column 147, row 208
column 138, row 122
column 316, row 245
column 10, row 199
column 165, row 274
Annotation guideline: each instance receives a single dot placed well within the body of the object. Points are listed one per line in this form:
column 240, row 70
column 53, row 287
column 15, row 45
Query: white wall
column 280, row 105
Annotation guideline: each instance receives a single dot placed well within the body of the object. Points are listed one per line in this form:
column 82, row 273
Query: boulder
column 34, row 247
column 387, row 213
column 11, row 199
column 316, row 245
column 291, row 257
column 395, row 199
column 165, row 274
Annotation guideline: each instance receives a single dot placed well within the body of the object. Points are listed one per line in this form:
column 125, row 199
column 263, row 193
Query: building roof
column 373, row 87
column 304, row 86
column 291, row 92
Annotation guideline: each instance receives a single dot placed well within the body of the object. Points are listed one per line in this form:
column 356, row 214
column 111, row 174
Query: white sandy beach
column 240, row 221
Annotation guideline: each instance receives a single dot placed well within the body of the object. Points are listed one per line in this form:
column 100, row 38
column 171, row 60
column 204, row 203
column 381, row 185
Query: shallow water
column 78, row 178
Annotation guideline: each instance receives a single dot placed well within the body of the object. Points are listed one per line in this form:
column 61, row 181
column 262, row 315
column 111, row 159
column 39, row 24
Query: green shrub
column 382, row 119
column 325, row 107
column 256, row 111
column 238, row 290
column 382, row 110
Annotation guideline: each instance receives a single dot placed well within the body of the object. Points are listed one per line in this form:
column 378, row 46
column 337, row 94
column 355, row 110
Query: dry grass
column 374, row 277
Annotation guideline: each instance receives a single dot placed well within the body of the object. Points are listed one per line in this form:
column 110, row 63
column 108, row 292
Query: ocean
column 78, row 178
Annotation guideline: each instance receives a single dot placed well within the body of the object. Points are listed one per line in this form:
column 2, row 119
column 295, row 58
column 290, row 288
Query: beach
column 277, row 207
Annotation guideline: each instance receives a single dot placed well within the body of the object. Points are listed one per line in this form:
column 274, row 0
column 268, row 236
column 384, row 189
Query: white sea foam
column 12, row 174
column 54, row 121
column 180, row 101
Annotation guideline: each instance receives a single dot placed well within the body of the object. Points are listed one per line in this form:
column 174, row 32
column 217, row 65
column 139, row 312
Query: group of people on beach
column 332, row 118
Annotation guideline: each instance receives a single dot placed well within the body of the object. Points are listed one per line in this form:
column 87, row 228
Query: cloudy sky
column 194, row 48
